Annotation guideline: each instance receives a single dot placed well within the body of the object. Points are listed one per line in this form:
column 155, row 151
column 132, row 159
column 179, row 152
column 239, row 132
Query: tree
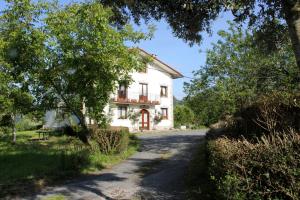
column 188, row 18
column 19, row 47
column 20, row 103
column 87, row 57
column 13, row 101
column 236, row 74
column 183, row 115
column 68, row 55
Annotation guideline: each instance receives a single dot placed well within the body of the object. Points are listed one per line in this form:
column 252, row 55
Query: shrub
column 267, row 169
column 5, row 130
column 271, row 113
column 113, row 140
column 26, row 124
column 6, row 120
column 183, row 115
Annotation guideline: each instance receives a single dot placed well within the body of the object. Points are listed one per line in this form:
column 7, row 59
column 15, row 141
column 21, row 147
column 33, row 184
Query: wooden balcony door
column 122, row 92
column 143, row 92
column 144, row 120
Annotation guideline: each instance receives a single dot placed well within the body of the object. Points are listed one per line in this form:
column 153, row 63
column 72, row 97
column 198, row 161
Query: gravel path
column 155, row 172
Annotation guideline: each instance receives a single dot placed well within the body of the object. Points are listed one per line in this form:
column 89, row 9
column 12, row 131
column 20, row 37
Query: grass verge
column 31, row 164
column 197, row 181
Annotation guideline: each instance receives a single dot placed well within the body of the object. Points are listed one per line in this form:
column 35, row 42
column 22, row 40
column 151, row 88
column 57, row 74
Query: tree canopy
column 183, row 116
column 18, row 53
column 236, row 74
column 188, row 18
column 71, row 54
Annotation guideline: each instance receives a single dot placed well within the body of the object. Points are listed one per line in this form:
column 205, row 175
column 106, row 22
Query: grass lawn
column 198, row 180
column 35, row 163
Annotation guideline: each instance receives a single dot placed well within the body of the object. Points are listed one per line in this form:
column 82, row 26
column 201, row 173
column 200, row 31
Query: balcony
column 136, row 99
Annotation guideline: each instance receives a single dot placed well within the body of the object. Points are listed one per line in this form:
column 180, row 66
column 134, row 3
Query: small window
column 122, row 91
column 164, row 112
column 163, row 91
column 122, row 112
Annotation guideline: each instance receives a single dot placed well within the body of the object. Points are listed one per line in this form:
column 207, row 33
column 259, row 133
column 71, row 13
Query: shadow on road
column 156, row 172
column 164, row 178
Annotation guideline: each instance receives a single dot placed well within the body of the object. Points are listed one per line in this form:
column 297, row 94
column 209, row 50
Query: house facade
column 147, row 103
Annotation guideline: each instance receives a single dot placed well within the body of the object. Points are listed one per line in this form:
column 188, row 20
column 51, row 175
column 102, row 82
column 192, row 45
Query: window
column 143, row 92
column 164, row 112
column 144, row 89
column 163, row 91
column 122, row 111
column 122, row 91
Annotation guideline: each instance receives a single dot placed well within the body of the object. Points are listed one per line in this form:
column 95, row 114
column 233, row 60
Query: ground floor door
column 144, row 121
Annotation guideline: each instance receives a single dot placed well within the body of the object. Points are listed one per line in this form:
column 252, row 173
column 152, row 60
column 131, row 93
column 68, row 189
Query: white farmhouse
column 147, row 103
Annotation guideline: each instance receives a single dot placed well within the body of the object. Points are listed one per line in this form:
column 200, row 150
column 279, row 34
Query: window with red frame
column 164, row 112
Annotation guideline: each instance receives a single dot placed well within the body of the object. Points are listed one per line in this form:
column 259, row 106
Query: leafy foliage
column 270, row 114
column 88, row 56
column 275, row 21
column 27, row 123
column 133, row 115
column 189, row 18
column 19, row 52
column 69, row 55
column 158, row 117
column 236, row 74
column 111, row 140
column 183, row 115
column 268, row 169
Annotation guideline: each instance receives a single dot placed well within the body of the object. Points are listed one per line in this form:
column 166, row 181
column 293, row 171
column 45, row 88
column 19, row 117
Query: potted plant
column 158, row 117
column 134, row 117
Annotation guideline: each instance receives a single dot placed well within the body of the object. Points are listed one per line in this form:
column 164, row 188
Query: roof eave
column 175, row 74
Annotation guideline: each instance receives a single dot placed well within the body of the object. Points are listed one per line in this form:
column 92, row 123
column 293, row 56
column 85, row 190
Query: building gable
column 161, row 65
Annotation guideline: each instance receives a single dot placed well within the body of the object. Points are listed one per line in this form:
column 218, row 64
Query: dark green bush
column 6, row 120
column 183, row 116
column 5, row 124
column 5, row 130
column 111, row 140
column 267, row 169
column 271, row 113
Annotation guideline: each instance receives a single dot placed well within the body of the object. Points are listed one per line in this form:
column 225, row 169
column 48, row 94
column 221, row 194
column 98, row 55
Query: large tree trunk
column 84, row 134
column 292, row 16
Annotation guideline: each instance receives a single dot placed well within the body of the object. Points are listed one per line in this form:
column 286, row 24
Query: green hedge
column 111, row 140
column 268, row 169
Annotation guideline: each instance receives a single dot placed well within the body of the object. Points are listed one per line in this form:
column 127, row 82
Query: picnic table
column 45, row 134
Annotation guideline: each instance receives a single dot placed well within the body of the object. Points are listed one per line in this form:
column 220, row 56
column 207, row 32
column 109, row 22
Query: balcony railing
column 136, row 98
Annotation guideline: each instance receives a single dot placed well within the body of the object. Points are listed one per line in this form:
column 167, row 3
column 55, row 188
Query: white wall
column 52, row 120
column 154, row 77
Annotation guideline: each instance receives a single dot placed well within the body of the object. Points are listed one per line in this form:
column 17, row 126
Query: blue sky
column 176, row 52
column 179, row 54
